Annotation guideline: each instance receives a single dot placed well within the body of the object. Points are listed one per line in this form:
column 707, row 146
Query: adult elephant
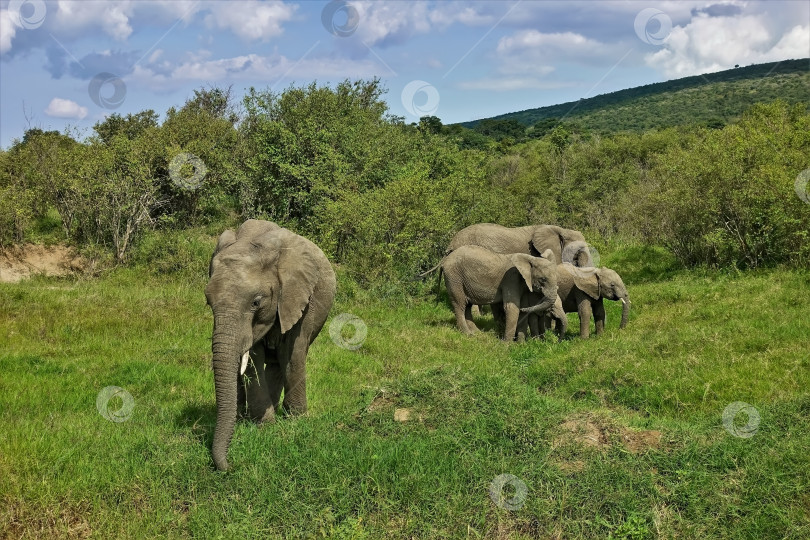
column 567, row 245
column 270, row 291
column 582, row 290
column 475, row 275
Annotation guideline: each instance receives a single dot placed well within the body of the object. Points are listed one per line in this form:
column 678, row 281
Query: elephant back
column 495, row 238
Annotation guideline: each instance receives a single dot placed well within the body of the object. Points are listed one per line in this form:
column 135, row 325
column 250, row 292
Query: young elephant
column 583, row 289
column 475, row 275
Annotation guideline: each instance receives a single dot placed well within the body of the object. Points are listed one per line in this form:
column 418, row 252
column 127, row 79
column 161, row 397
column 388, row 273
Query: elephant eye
column 257, row 301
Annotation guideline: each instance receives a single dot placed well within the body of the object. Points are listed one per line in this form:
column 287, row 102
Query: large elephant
column 582, row 290
column 270, row 291
column 567, row 245
column 475, row 275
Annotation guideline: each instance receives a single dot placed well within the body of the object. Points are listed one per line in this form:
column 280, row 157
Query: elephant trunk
column 543, row 306
column 625, row 310
column 226, row 377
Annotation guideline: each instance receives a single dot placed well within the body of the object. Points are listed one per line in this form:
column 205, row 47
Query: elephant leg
column 535, row 325
column 260, row 407
column 275, row 378
column 292, row 361
column 584, row 310
column 499, row 316
column 512, row 313
column 475, row 311
column 560, row 321
column 468, row 317
column 599, row 316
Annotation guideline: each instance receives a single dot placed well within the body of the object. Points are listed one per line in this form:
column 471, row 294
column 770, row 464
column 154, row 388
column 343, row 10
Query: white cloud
column 112, row 17
column 709, row 44
column 7, row 30
column 65, row 108
column 531, row 46
column 250, row 19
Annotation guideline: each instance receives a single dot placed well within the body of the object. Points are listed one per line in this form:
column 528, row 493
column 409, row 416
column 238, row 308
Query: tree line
column 383, row 197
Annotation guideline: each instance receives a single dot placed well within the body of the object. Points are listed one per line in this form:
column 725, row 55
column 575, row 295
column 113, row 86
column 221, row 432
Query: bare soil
column 20, row 262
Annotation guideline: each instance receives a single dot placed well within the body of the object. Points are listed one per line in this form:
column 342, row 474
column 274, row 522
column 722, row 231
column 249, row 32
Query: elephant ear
column 225, row 239
column 524, row 266
column 298, row 274
column 546, row 237
column 586, row 280
column 549, row 255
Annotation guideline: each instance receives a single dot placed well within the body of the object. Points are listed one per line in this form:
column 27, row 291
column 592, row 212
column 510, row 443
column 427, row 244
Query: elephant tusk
column 245, row 358
column 623, row 301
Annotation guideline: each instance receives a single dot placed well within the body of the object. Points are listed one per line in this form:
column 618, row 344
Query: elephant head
column 603, row 283
column 540, row 275
column 570, row 244
column 261, row 280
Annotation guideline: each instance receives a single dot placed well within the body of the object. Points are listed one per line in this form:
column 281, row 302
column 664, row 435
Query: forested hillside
column 711, row 100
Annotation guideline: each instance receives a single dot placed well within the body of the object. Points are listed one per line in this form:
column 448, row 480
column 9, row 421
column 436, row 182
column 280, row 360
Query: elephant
column 567, row 245
column 475, row 275
column 582, row 290
column 270, row 291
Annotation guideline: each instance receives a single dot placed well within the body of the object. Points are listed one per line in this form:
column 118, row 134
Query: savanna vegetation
column 616, row 437
column 709, row 100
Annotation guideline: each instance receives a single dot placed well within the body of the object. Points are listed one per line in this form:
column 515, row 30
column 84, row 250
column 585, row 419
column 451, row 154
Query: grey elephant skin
column 582, row 290
column 475, row 275
column 270, row 291
column 567, row 245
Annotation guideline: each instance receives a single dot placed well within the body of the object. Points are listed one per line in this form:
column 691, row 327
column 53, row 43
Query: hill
column 713, row 99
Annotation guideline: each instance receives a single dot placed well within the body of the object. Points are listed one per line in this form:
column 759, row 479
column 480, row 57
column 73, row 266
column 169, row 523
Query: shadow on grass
column 200, row 420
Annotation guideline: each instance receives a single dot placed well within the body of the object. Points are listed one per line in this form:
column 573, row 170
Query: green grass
column 696, row 342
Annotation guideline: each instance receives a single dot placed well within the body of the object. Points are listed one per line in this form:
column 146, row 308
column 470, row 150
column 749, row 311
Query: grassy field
column 619, row 436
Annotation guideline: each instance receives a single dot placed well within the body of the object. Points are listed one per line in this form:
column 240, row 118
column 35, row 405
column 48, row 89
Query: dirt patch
column 639, row 441
column 381, row 401
column 583, row 431
column 20, row 262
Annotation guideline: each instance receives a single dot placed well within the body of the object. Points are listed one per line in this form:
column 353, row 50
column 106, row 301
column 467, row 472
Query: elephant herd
column 270, row 291
column 530, row 276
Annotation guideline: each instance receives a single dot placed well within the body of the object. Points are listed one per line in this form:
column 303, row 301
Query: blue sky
column 71, row 63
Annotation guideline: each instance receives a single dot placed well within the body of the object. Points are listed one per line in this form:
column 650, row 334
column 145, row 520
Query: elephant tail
column 426, row 272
